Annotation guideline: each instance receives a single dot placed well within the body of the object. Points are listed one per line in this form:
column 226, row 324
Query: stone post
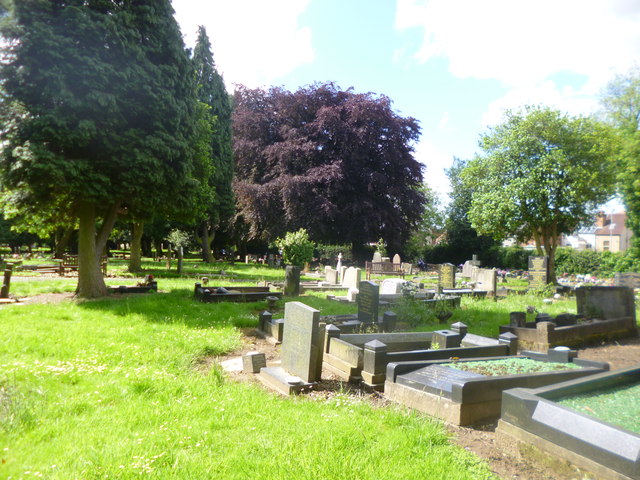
column 374, row 364
column 511, row 340
column 389, row 321
column 331, row 332
column 460, row 328
column 264, row 318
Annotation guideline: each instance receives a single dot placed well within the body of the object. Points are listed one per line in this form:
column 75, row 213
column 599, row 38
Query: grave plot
column 604, row 313
column 233, row 294
column 592, row 422
column 301, row 351
column 146, row 286
column 444, row 389
column 364, row 357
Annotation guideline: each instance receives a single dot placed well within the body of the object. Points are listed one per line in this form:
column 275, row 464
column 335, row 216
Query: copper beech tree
column 337, row 163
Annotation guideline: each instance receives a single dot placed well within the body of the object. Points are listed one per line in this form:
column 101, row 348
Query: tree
column 99, row 111
column 430, row 229
column 336, row 163
column 212, row 92
column 542, row 174
column 622, row 105
column 462, row 239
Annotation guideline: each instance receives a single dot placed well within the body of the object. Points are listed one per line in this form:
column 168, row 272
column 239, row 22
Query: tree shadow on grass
column 179, row 306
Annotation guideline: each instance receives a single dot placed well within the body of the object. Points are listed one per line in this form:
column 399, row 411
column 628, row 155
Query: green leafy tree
column 542, row 174
column 430, row 228
column 212, row 92
column 621, row 101
column 296, row 247
column 463, row 241
column 100, row 112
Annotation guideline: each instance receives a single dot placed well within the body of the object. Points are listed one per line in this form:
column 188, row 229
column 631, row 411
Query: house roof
column 614, row 224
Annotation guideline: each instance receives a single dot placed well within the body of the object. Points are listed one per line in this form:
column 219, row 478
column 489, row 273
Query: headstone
column 391, row 286
column 368, row 302
column 292, row 281
column 377, row 258
column 605, row 303
column 339, row 264
column 343, row 271
column 518, row 319
column 301, row 352
column 466, row 269
column 538, row 272
column 487, row 278
column 396, row 259
column 352, row 277
column 628, row 279
column 407, row 268
column 252, row 362
column 270, row 260
column 331, row 276
column 352, row 294
column 474, row 261
column 447, row 276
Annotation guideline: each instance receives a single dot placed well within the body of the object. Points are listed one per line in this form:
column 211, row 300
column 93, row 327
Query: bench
column 70, row 264
column 384, row 268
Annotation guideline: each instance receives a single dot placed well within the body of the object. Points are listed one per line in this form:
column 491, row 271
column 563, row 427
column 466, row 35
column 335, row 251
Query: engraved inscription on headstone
column 538, row 272
column 447, row 276
column 302, row 342
column 368, row 302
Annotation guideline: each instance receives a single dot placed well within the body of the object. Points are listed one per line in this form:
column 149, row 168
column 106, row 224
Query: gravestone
column 368, row 302
column 352, row 277
column 343, row 270
column 331, row 276
column 377, row 258
column 253, row 362
column 391, row 286
column 466, row 269
column 396, row 259
column 447, row 276
column 302, row 343
column 301, row 351
column 605, row 302
column 628, row 279
column 538, row 272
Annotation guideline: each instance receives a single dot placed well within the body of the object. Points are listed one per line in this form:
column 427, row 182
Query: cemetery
column 331, row 307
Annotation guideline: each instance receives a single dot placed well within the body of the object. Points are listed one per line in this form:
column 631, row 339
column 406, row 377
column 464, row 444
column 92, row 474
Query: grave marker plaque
column 538, row 272
column 447, row 276
column 302, row 342
column 368, row 302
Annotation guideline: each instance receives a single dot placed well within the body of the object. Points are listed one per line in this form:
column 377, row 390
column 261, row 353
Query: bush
column 600, row 264
column 327, row 254
column 296, row 247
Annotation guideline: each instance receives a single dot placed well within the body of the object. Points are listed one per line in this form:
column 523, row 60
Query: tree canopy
column 337, row 163
column 622, row 103
column 99, row 116
column 212, row 92
column 542, row 174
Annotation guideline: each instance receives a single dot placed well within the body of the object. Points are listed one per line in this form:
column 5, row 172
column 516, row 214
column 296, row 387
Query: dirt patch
column 481, row 440
column 44, row 298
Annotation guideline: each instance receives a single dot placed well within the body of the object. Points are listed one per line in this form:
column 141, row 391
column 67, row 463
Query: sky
column 454, row 65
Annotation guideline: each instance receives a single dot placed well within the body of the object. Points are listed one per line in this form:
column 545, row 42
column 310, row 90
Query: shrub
column 296, row 247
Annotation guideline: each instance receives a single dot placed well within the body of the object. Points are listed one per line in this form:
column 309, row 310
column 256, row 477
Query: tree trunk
column 90, row 281
column 62, row 240
column 205, row 241
column 135, row 259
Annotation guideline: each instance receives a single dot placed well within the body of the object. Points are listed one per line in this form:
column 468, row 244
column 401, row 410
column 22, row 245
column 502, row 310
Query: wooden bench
column 384, row 268
column 70, row 264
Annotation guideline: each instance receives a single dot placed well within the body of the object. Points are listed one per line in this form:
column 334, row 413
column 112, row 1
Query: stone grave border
column 531, row 417
column 244, row 294
column 466, row 398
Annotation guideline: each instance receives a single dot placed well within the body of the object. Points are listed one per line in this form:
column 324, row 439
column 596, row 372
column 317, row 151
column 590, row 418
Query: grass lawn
column 113, row 389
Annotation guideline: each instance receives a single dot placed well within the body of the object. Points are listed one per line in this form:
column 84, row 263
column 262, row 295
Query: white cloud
column 254, row 42
column 523, row 43
column 546, row 93
column 436, row 161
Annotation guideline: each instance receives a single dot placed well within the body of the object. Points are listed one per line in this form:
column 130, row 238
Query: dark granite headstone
column 538, row 272
column 605, row 303
column 447, row 276
column 368, row 302
column 302, row 342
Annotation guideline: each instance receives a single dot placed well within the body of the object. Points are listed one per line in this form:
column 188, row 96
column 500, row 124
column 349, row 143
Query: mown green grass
column 115, row 388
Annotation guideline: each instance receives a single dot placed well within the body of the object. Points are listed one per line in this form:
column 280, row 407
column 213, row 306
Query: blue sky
column 454, row 65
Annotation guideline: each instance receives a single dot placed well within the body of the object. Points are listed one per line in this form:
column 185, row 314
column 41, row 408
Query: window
column 606, row 246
